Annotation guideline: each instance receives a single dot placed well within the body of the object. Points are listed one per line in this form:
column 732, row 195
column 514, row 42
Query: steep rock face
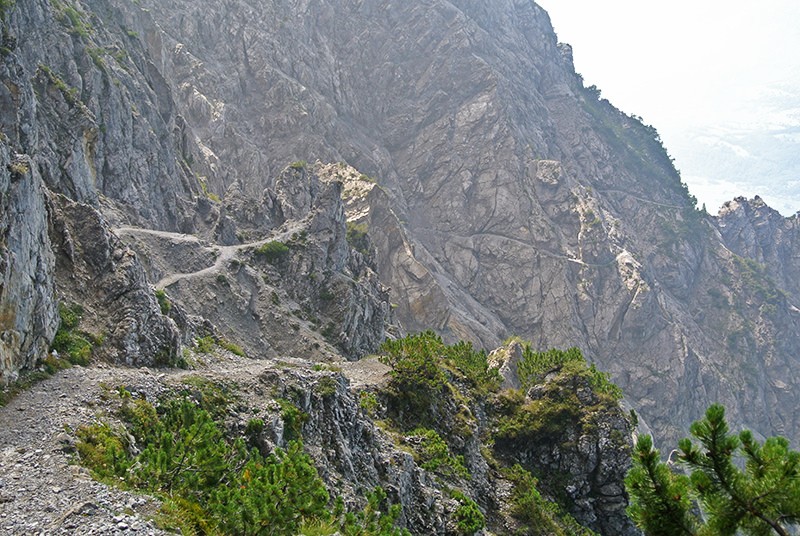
column 753, row 230
column 28, row 314
column 96, row 270
column 104, row 120
column 587, row 457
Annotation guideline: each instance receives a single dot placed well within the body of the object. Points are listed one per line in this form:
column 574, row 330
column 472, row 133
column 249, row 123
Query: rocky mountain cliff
column 487, row 191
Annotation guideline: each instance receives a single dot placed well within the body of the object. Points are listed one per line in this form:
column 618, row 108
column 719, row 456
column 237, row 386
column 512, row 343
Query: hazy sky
column 718, row 79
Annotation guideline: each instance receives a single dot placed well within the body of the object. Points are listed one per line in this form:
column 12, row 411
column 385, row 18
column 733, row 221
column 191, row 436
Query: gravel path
column 41, row 490
column 223, row 253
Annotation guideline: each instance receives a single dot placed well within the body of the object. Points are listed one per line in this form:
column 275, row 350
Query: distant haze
column 720, row 80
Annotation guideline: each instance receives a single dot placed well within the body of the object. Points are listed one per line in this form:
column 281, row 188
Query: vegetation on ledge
column 442, row 387
column 210, row 483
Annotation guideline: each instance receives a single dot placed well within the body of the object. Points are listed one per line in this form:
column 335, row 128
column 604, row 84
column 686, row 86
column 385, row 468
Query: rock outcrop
column 96, row 270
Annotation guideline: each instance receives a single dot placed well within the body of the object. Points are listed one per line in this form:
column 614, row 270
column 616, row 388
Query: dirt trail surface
column 223, row 253
column 42, row 489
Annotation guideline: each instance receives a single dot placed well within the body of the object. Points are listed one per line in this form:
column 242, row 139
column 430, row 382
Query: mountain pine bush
column 741, row 486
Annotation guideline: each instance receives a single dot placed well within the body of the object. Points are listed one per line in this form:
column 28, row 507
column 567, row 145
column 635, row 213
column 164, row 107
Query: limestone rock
column 96, row 270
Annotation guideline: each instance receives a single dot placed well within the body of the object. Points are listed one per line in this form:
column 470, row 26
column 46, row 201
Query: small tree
column 741, row 485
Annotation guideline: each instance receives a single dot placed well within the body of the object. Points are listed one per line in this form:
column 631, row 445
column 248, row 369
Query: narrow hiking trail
column 223, row 254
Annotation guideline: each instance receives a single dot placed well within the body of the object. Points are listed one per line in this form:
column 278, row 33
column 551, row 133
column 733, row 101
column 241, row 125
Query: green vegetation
column 539, row 515
column 434, row 455
column 556, row 407
column 357, row 237
column 211, row 484
column 428, row 401
column 534, row 366
column 72, row 19
column 205, row 345
column 70, row 94
column 326, row 295
column 273, row 251
column 163, row 301
column 5, row 8
column 760, row 496
column 19, row 168
column 293, row 419
column 97, row 53
column 326, row 386
column 369, row 403
column 422, row 367
column 468, row 517
column 75, row 345
column 232, row 347
column 754, row 275
column 300, row 164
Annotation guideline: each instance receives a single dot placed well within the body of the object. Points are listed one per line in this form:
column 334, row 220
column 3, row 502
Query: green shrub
column 273, row 251
column 474, row 367
column 163, row 301
column 417, row 380
column 326, row 295
column 213, row 397
column 74, row 345
column 423, row 369
column 540, row 420
column 534, row 366
column 185, row 457
column 232, row 347
column 253, row 431
column 369, row 403
column 211, row 484
column 5, row 8
column 601, row 383
column 205, row 345
column 103, row 450
column 293, row 419
column 326, row 386
column 539, row 515
column 434, row 455
column 357, row 237
column 271, row 496
column 377, row 518
column 468, row 517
